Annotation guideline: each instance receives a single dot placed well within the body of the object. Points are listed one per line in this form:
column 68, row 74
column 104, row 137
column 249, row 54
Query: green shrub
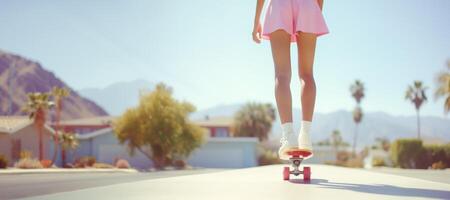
column 409, row 153
column 28, row 163
column 3, row 162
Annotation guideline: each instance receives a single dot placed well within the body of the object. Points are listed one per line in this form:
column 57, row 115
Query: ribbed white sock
column 287, row 128
column 305, row 127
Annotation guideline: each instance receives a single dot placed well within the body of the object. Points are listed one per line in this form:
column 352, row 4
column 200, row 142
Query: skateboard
column 296, row 157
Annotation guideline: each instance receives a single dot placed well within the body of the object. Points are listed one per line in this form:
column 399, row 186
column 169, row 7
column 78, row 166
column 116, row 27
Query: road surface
column 329, row 182
column 27, row 185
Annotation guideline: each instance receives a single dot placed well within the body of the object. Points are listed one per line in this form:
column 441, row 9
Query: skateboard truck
column 296, row 158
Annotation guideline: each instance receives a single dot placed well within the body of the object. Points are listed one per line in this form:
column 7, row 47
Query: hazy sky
column 203, row 48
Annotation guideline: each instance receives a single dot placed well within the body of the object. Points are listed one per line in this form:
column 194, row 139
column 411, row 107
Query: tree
column 443, row 89
column 358, row 92
column 416, row 94
column 37, row 106
column 58, row 95
column 254, row 120
column 68, row 140
column 159, row 127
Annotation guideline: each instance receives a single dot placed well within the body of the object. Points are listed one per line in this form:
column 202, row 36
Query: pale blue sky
column 204, row 50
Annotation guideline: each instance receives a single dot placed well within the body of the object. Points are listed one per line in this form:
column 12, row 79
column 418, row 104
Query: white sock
column 287, row 128
column 305, row 127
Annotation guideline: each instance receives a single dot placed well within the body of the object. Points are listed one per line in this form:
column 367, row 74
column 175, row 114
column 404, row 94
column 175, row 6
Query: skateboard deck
column 296, row 156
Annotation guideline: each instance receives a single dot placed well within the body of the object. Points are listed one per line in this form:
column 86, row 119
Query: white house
column 18, row 133
column 220, row 149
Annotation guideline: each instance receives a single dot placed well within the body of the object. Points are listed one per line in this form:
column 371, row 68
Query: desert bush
column 25, row 154
column 179, row 164
column 378, row 162
column 3, row 162
column 342, row 157
column 68, row 165
column 439, row 165
column 102, row 166
column 122, row 164
column 438, row 153
column 28, row 163
column 268, row 157
column 85, row 161
column 409, row 153
column 355, row 163
column 46, row 163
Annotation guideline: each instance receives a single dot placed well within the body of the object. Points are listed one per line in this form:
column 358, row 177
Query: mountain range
column 117, row 97
column 19, row 76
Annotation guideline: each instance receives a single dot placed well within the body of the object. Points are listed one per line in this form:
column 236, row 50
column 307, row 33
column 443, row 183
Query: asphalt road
column 328, row 182
column 442, row 176
column 28, row 185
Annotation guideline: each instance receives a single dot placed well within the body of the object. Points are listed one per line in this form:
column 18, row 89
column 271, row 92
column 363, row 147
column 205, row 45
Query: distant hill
column 373, row 125
column 19, row 76
column 117, row 97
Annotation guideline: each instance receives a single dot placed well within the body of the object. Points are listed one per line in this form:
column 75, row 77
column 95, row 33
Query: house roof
column 92, row 121
column 12, row 124
column 94, row 134
column 9, row 124
column 220, row 121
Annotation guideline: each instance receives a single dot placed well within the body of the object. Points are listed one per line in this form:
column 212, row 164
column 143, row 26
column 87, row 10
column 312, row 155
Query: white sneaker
column 304, row 142
column 287, row 143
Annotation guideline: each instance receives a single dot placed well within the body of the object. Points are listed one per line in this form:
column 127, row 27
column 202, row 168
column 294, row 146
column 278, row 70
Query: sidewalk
column 328, row 182
column 12, row 171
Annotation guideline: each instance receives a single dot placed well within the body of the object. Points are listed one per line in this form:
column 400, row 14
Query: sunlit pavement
column 327, row 182
column 442, row 176
column 21, row 184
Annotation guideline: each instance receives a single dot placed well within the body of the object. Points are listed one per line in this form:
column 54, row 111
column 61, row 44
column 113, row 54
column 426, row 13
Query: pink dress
column 294, row 16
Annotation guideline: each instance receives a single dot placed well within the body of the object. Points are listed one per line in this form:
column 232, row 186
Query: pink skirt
column 293, row 16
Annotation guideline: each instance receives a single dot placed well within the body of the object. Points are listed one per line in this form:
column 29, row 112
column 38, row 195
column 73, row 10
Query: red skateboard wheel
column 306, row 173
column 286, row 173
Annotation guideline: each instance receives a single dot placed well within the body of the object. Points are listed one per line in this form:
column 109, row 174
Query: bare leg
column 306, row 43
column 280, row 44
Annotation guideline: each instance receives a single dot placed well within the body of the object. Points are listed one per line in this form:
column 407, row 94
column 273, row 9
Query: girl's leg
column 280, row 42
column 306, row 43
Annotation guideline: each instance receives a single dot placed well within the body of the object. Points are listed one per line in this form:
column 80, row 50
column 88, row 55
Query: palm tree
column 68, row 140
column 37, row 107
column 254, row 120
column 357, row 117
column 416, row 94
column 58, row 95
column 357, row 91
column 443, row 89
